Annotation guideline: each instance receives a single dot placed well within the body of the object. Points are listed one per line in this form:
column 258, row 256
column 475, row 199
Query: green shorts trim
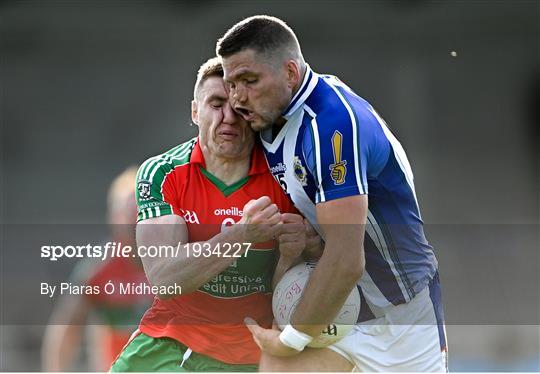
column 148, row 354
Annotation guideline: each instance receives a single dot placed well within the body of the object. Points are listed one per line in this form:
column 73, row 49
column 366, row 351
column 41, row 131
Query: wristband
column 295, row 339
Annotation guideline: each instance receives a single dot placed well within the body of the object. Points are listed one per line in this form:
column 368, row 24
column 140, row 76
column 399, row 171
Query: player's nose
column 239, row 94
column 229, row 115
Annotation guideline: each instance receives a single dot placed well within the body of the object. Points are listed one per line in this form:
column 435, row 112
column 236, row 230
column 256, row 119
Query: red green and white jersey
column 210, row 320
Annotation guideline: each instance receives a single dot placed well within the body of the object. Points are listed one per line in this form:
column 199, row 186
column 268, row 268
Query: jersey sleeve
column 155, row 189
column 340, row 150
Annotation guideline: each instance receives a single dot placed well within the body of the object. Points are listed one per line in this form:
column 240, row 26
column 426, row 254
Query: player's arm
column 340, row 266
column 190, row 272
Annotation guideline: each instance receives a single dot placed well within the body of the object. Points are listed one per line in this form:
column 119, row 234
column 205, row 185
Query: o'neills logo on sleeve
column 233, row 211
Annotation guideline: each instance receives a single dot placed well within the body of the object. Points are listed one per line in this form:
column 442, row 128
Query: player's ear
column 293, row 73
column 194, row 113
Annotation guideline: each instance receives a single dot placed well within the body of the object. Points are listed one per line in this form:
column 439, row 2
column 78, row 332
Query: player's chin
column 259, row 125
column 231, row 150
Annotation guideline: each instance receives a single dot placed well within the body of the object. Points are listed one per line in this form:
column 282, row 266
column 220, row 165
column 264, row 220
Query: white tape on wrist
column 295, row 339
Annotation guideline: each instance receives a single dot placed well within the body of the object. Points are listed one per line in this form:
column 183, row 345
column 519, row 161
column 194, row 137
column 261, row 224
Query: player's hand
column 292, row 235
column 260, row 220
column 314, row 243
column 268, row 339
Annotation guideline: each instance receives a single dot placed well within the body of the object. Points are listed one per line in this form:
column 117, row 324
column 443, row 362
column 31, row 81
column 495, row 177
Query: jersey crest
column 338, row 169
column 300, row 171
column 144, row 189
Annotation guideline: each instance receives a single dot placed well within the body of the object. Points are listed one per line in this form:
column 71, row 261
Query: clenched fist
column 260, row 221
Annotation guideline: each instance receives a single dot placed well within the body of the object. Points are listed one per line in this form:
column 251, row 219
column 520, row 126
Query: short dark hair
column 211, row 68
column 264, row 34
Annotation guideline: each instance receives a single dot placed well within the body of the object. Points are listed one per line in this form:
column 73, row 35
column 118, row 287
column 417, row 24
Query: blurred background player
column 107, row 320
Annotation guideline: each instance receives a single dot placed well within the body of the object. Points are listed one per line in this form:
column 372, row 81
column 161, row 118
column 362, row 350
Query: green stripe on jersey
column 176, row 156
column 225, row 189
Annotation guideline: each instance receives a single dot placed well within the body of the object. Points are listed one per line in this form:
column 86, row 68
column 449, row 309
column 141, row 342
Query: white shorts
column 388, row 344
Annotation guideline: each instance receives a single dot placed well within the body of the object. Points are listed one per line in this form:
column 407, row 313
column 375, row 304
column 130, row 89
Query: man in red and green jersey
column 193, row 195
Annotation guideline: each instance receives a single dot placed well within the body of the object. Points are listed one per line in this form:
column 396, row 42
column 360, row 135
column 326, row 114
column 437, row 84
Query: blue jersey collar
column 308, row 84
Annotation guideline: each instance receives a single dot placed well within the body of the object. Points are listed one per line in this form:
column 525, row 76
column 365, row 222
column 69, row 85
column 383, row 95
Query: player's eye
column 216, row 105
column 250, row 81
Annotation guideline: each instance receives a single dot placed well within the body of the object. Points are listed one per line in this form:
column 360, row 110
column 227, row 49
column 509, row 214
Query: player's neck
column 228, row 170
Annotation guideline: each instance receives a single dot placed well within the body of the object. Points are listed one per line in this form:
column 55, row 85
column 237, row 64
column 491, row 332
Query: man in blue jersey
column 345, row 171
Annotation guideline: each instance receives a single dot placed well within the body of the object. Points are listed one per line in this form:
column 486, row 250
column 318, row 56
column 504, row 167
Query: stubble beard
column 265, row 121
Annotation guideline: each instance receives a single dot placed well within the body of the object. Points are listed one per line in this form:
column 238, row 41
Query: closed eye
column 216, row 101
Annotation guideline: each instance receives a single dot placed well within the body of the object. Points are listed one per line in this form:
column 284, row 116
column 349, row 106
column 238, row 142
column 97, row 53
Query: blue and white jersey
column 335, row 145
